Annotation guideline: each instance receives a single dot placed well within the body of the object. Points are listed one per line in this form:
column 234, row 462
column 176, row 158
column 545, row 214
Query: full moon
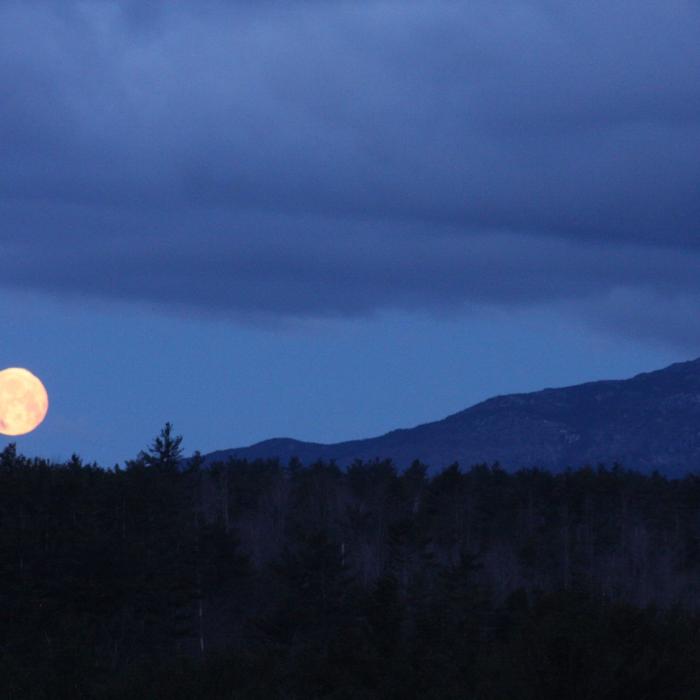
column 23, row 401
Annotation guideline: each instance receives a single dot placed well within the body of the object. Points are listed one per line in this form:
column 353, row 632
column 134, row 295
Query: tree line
column 175, row 579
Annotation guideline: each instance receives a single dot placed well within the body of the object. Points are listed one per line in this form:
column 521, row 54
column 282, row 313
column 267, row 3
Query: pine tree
column 165, row 452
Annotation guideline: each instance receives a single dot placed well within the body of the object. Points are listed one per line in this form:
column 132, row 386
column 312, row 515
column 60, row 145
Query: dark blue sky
column 328, row 220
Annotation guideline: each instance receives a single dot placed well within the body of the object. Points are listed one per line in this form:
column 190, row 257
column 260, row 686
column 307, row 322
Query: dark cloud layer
column 310, row 158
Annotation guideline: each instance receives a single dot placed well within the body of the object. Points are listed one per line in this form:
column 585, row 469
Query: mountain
column 649, row 422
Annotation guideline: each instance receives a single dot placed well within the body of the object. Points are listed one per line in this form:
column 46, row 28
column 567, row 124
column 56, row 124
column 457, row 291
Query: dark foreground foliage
column 269, row 581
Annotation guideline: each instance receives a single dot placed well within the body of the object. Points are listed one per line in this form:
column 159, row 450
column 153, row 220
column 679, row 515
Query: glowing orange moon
column 23, row 401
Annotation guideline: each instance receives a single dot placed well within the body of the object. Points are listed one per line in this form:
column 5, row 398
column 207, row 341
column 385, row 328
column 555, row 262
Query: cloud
column 667, row 320
column 310, row 159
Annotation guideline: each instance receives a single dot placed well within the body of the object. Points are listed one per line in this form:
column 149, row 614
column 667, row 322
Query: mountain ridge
column 648, row 422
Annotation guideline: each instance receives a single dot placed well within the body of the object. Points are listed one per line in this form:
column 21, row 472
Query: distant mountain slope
column 651, row 421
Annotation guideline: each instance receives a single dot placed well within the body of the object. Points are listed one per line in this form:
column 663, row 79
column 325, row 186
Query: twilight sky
column 325, row 220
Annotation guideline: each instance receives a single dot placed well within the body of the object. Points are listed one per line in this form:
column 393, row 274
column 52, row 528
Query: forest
column 172, row 578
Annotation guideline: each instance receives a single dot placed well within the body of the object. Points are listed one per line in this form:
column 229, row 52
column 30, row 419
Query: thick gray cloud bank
column 291, row 159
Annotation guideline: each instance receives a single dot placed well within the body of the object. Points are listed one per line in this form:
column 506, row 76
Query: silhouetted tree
column 164, row 452
column 251, row 580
